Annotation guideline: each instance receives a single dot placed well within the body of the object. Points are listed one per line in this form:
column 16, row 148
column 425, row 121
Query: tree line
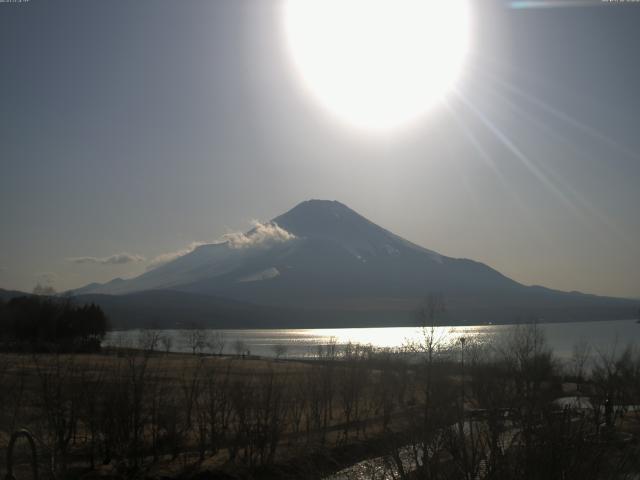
column 43, row 323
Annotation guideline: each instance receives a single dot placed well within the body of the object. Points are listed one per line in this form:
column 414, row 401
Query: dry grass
column 170, row 376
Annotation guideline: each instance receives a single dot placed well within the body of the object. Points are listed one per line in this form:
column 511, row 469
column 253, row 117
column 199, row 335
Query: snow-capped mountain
column 319, row 249
column 323, row 255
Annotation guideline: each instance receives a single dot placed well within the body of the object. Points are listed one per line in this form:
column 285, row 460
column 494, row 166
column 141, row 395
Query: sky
column 130, row 130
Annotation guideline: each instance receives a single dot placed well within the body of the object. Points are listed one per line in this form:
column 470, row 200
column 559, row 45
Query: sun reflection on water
column 306, row 342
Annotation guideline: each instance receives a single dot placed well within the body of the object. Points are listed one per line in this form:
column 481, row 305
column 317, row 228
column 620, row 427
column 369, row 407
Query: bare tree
column 434, row 390
column 239, row 347
column 279, row 349
column 195, row 338
column 167, row 342
column 613, row 378
column 580, row 356
column 351, row 383
column 149, row 339
column 60, row 404
column 92, row 383
column 217, row 342
column 432, row 307
column 430, row 346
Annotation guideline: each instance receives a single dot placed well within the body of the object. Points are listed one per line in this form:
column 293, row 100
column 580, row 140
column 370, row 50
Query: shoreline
column 361, row 327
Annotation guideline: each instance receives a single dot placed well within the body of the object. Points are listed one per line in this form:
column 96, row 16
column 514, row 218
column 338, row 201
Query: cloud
column 44, row 285
column 170, row 256
column 115, row 259
column 261, row 235
column 46, row 278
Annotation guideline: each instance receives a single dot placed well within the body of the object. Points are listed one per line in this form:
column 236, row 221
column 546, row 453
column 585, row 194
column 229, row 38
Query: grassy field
column 166, row 413
column 127, row 413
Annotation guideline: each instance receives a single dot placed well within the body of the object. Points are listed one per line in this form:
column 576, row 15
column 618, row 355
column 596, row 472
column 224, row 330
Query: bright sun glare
column 378, row 64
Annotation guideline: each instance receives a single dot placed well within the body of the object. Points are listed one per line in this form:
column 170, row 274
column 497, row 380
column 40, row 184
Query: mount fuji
column 323, row 264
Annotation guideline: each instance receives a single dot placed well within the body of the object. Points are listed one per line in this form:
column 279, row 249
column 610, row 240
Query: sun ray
column 524, row 159
column 475, row 143
column 591, row 131
column 591, row 210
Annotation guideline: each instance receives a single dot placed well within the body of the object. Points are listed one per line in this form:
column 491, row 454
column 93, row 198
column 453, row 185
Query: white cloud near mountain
column 115, row 259
column 46, row 278
column 163, row 258
column 261, row 235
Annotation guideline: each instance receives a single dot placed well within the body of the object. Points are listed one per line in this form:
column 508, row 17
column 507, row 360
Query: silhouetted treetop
column 35, row 321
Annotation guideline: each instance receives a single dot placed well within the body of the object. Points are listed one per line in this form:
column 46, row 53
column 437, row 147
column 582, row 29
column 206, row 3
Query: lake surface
column 298, row 343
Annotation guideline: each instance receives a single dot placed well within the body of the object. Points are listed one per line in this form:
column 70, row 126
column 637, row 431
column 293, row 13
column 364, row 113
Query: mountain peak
column 315, row 205
column 322, row 217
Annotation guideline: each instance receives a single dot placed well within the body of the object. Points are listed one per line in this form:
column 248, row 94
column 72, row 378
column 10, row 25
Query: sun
column 378, row 64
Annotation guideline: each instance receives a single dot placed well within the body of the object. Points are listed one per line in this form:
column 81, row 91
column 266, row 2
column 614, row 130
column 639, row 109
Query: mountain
column 321, row 256
column 317, row 251
column 6, row 295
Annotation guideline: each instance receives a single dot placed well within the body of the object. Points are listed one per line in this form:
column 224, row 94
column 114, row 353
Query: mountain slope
column 339, row 255
column 174, row 309
column 6, row 295
column 321, row 255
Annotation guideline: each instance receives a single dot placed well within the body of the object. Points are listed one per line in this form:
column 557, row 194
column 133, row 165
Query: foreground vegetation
column 430, row 411
column 38, row 323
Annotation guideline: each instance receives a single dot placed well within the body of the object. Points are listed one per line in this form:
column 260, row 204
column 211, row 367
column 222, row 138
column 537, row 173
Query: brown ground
column 21, row 377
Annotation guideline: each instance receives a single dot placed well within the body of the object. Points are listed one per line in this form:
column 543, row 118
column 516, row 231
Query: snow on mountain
column 322, row 258
column 204, row 261
column 334, row 221
column 262, row 275
column 316, row 252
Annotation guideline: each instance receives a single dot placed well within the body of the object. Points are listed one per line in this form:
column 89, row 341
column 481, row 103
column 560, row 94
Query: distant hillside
column 6, row 295
column 173, row 309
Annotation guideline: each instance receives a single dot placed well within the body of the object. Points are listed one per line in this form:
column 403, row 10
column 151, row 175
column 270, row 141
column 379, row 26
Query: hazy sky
column 139, row 127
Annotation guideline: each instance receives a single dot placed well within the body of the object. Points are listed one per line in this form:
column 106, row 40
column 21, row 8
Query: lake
column 300, row 343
